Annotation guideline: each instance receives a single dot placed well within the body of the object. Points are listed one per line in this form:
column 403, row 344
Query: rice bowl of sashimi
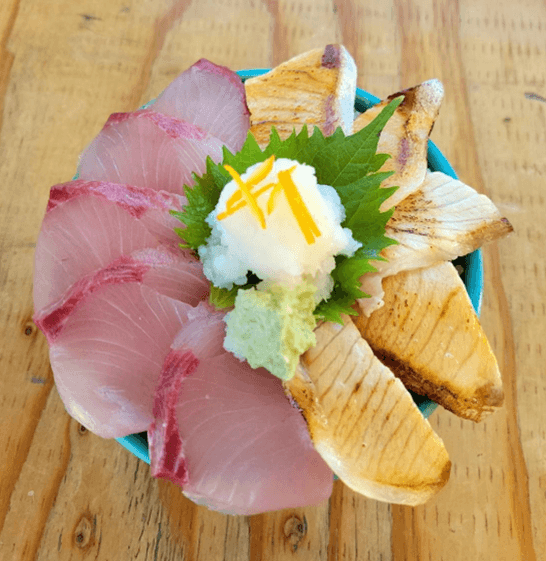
column 141, row 334
column 470, row 266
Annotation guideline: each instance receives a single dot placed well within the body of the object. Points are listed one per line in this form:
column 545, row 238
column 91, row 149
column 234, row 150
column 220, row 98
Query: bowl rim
column 473, row 262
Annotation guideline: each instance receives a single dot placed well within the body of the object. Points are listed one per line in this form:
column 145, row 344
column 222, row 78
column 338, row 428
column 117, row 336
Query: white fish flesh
column 429, row 335
column 316, row 88
column 363, row 421
column 443, row 220
column 405, row 137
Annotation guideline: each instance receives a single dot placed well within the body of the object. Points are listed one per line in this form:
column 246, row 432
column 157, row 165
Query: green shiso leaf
column 350, row 164
column 225, row 298
column 202, row 198
column 348, row 159
column 249, row 155
column 222, row 297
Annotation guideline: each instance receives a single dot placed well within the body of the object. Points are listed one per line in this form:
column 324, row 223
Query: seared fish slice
column 315, row 88
column 443, row 220
column 430, row 337
column 363, row 421
column 405, row 137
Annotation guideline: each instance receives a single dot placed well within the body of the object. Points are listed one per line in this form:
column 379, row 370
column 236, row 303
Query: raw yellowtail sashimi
column 108, row 354
column 430, row 337
column 149, row 206
column 148, row 149
column 105, row 295
column 405, row 137
column 443, row 220
column 363, row 421
column 227, row 433
column 90, row 224
column 171, row 274
column 118, row 306
column 211, row 97
column 111, row 285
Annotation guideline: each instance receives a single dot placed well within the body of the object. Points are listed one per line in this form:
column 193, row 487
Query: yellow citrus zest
column 241, row 204
column 305, row 221
column 247, row 196
column 258, row 175
column 273, row 198
column 244, row 196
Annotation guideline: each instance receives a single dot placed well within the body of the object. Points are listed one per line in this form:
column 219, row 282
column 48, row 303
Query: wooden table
column 65, row 65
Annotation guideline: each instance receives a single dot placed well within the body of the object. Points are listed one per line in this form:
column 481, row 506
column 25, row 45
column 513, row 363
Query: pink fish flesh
column 151, row 207
column 90, row 224
column 211, row 97
column 133, row 345
column 170, row 274
column 109, row 352
column 148, row 149
column 227, row 433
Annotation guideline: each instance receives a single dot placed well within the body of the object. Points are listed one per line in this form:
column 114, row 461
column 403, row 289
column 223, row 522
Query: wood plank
column 8, row 15
column 295, row 533
column 515, row 169
column 369, row 30
column 360, row 528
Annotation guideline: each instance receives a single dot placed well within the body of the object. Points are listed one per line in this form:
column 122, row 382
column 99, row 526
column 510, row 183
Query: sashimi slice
column 87, row 228
column 405, row 137
column 429, row 335
column 174, row 274
column 81, row 236
column 168, row 273
column 227, row 433
column 364, row 422
column 316, row 88
column 211, row 97
column 149, row 206
column 148, row 149
column 443, row 220
column 108, row 356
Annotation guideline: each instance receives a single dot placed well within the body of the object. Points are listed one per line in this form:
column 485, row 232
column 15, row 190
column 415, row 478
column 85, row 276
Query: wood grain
column 65, row 66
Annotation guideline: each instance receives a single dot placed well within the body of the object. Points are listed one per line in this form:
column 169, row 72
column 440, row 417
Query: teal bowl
column 471, row 265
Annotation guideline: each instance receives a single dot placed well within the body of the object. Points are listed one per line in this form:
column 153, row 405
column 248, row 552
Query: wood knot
column 29, row 328
column 294, row 531
column 84, row 532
